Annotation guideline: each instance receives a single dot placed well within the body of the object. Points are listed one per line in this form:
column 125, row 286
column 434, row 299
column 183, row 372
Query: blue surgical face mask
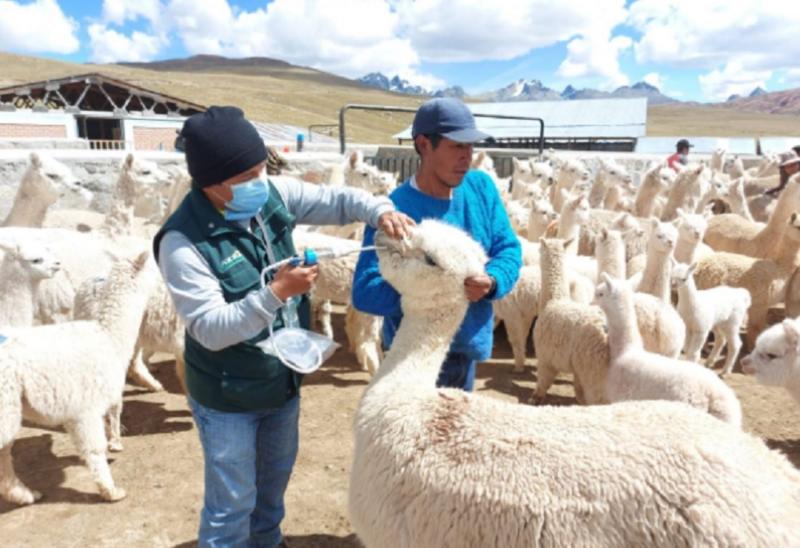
column 248, row 199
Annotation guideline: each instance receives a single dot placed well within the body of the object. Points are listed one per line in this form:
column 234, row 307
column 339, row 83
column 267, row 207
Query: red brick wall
column 154, row 138
column 12, row 131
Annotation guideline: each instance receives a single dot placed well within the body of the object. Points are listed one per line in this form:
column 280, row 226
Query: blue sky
column 700, row 50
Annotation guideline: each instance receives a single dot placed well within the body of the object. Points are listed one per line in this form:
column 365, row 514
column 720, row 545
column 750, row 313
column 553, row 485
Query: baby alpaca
column 22, row 268
column 775, row 360
column 720, row 309
column 74, row 379
column 635, row 374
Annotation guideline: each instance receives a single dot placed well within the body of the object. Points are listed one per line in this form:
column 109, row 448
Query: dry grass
column 302, row 96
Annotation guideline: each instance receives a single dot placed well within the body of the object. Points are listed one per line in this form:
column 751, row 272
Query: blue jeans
column 458, row 371
column 248, row 460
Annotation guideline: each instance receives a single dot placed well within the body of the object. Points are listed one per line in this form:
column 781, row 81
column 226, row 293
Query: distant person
column 681, row 155
column 790, row 164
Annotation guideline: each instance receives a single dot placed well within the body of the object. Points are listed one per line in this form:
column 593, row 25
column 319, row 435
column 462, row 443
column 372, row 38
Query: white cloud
column 596, row 55
column 38, row 26
column 119, row 11
column 475, row 30
column 109, row 46
column 714, row 35
column 349, row 38
column 654, row 79
column 732, row 79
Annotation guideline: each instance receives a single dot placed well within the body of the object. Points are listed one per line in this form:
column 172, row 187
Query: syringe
column 311, row 257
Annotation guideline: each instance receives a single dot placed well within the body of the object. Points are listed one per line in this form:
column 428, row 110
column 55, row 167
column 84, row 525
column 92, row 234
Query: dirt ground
column 161, row 466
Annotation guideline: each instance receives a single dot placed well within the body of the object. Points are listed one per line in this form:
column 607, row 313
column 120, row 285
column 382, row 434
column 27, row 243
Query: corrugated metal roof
column 772, row 145
column 562, row 119
column 702, row 145
column 281, row 133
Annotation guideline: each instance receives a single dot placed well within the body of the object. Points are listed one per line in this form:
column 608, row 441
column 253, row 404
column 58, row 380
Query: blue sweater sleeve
column 371, row 293
column 505, row 251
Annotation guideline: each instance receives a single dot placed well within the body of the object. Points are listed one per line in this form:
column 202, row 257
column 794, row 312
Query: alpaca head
column 542, row 172
column 774, row 360
column 47, row 179
column 609, row 241
column 522, row 171
column 542, row 211
column 681, row 273
column 692, row 227
column 35, row 261
column 576, row 208
column 551, row 254
column 663, row 236
column 429, row 267
column 611, row 294
column 359, row 174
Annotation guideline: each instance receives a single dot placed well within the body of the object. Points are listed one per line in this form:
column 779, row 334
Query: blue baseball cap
column 449, row 118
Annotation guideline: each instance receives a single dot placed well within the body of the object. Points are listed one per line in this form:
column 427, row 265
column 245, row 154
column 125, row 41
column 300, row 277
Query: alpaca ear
column 793, row 218
column 128, row 162
column 604, row 234
column 353, row 159
column 792, row 331
column 568, row 242
column 516, row 162
column 654, row 222
column 606, row 278
column 681, row 213
column 692, row 267
column 673, row 261
column 140, row 261
column 36, row 161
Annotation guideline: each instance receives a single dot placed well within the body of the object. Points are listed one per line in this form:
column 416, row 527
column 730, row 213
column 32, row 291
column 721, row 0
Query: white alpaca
column 686, row 192
column 445, row 468
column 571, row 175
column 691, row 228
column 574, row 214
column 767, row 280
column 661, row 326
column 636, row 374
column 657, row 181
column 735, row 234
column 655, row 277
column 74, row 379
column 22, row 269
column 732, row 194
column 541, row 216
column 42, row 184
column 569, row 337
column 359, row 174
column 775, row 360
column 719, row 309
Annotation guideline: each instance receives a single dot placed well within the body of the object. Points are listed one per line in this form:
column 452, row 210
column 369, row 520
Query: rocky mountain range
column 521, row 90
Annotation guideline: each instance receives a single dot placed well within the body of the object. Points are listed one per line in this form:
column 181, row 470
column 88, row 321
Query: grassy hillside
column 303, row 96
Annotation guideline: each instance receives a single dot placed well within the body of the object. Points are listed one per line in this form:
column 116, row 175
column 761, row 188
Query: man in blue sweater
column 445, row 188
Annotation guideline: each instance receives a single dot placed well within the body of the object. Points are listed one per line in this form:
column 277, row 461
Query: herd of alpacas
column 627, row 279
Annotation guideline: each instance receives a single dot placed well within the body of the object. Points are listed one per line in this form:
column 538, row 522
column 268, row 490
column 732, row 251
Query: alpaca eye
column 37, row 261
column 772, row 356
column 429, row 260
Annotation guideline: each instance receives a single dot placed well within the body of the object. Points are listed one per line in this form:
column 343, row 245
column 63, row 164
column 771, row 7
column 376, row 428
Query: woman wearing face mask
column 211, row 251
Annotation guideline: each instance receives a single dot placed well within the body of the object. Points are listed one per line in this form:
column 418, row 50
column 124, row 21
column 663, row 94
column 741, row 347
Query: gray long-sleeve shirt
column 196, row 292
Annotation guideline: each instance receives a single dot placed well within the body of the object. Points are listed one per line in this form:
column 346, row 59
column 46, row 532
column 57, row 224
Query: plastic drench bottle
column 300, row 139
column 290, row 318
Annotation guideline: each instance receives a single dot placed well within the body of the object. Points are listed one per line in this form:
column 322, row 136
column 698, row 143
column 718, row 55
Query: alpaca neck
column 786, row 204
column 687, row 295
column 623, row 332
column 554, row 281
column 599, row 188
column 17, row 301
column 655, row 278
column 611, row 261
column 645, row 197
column 569, row 229
column 787, row 251
column 29, row 208
column 421, row 343
column 118, row 221
column 125, row 191
column 120, row 315
column 685, row 250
